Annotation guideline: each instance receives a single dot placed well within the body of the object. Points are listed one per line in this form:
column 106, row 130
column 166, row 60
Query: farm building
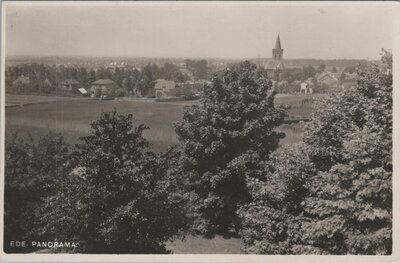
column 163, row 88
column 70, row 84
column 306, row 88
column 21, row 80
column 328, row 78
column 103, row 88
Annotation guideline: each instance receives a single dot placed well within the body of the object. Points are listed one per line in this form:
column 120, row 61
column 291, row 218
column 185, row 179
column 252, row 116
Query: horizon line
column 180, row 57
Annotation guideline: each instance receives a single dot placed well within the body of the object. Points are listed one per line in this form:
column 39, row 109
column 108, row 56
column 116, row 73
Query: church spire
column 277, row 52
column 278, row 43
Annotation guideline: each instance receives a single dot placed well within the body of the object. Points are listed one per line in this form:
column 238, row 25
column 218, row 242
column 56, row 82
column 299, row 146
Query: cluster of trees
column 129, row 79
column 199, row 68
column 332, row 193
column 329, row 194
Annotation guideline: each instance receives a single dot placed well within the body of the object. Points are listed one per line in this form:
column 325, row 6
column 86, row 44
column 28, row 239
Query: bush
column 221, row 139
column 120, row 93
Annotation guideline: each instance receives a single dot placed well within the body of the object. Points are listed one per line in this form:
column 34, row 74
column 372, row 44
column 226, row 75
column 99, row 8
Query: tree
column 332, row 194
column 334, row 70
column 222, row 138
column 349, row 69
column 321, row 67
column 308, row 72
column 350, row 198
column 33, row 171
column 120, row 199
column 198, row 68
column 146, row 82
column 271, row 221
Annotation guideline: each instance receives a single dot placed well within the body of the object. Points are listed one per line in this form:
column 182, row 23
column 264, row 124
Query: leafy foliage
column 33, row 171
column 332, row 194
column 222, row 139
column 118, row 199
column 271, row 221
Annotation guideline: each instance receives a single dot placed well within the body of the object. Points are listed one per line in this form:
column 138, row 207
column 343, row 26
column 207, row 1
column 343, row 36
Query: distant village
column 181, row 79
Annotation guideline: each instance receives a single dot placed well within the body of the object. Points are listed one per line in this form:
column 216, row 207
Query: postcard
column 210, row 131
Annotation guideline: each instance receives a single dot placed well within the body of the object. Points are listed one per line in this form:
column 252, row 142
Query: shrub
column 120, row 93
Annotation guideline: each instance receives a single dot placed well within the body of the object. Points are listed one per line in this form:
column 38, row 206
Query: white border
column 395, row 257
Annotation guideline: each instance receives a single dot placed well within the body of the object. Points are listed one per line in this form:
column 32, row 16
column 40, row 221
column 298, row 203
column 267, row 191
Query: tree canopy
column 232, row 129
column 332, row 193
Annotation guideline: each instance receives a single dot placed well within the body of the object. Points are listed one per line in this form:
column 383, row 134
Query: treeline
column 46, row 78
column 329, row 194
column 342, row 63
column 289, row 79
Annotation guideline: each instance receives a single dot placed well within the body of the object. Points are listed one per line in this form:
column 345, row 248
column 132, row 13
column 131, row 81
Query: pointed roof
column 22, row 80
column 47, row 82
column 278, row 43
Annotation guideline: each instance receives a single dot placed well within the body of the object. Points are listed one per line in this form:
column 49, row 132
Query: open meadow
column 72, row 117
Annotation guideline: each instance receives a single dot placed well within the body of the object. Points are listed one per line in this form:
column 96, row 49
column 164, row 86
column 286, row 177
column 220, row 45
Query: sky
column 198, row 30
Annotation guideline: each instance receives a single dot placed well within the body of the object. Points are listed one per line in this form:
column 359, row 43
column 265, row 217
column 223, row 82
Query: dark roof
column 327, row 74
column 103, row 82
column 278, row 43
column 275, row 64
column 70, row 82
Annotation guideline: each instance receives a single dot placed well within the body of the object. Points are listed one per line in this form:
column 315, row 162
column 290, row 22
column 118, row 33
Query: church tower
column 277, row 52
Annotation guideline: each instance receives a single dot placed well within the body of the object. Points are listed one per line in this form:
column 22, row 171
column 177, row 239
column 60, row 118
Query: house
column 306, row 88
column 70, row 84
column 328, row 78
column 47, row 83
column 163, row 88
column 21, row 80
column 103, row 88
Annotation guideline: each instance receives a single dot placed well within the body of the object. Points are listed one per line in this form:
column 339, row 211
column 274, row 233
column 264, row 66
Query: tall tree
column 229, row 132
column 119, row 197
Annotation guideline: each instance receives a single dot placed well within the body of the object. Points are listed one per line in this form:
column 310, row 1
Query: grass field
column 200, row 245
column 19, row 100
column 72, row 117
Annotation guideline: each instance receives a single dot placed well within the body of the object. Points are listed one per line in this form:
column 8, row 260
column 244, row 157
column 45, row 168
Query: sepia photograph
column 198, row 128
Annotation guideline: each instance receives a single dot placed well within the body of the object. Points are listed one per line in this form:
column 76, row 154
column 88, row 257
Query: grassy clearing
column 13, row 99
column 72, row 117
column 200, row 245
column 301, row 105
